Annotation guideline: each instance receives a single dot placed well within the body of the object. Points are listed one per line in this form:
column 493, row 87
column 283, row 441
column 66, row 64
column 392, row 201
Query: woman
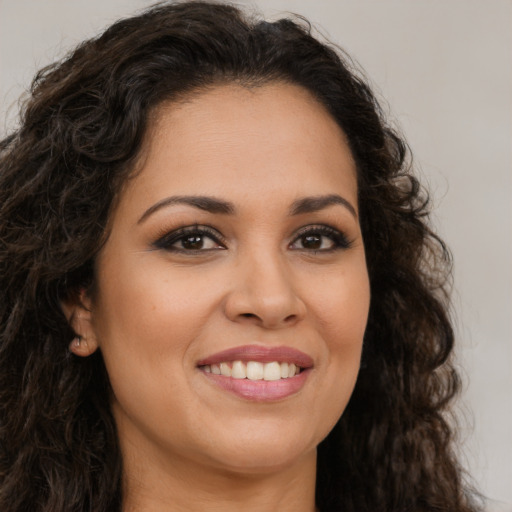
column 219, row 286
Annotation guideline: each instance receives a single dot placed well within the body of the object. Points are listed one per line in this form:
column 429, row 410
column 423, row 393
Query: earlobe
column 81, row 347
column 78, row 312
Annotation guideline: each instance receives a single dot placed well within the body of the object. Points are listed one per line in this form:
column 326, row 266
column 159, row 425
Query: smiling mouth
column 253, row 370
column 257, row 372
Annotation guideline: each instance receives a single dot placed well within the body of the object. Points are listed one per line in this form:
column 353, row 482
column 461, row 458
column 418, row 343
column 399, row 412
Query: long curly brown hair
column 60, row 173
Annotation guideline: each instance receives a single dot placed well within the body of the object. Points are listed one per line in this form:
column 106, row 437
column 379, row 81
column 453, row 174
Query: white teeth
column 238, row 370
column 225, row 369
column 253, row 370
column 272, row 371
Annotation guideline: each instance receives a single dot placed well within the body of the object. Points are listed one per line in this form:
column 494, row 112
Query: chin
column 266, row 462
column 264, row 452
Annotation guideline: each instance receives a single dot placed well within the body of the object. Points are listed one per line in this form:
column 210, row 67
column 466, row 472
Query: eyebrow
column 208, row 204
column 317, row 203
column 219, row 206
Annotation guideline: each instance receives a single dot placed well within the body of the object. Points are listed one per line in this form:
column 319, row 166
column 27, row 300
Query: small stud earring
column 75, row 343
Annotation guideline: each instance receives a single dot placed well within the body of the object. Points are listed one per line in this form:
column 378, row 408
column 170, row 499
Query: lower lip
column 260, row 390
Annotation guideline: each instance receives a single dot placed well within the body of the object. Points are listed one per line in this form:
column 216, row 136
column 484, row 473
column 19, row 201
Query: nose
column 264, row 293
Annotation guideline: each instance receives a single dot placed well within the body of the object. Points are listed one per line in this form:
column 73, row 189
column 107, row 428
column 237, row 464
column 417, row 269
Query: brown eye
column 194, row 242
column 191, row 239
column 311, row 242
column 320, row 238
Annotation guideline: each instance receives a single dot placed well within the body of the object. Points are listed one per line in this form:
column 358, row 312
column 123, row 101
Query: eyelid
column 169, row 237
column 339, row 238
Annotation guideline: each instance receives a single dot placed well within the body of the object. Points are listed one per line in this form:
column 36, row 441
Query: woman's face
column 236, row 248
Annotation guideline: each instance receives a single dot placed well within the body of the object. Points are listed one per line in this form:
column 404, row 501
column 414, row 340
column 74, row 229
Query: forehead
column 245, row 141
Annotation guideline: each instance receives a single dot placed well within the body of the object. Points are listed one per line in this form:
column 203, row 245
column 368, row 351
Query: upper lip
column 261, row 353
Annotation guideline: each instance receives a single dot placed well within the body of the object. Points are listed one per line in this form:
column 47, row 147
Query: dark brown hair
column 60, row 172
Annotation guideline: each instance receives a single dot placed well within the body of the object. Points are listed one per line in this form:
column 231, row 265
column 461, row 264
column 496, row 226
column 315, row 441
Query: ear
column 78, row 311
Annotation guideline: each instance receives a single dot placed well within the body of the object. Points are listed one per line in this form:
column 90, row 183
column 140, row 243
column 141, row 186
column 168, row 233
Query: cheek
column 150, row 325
column 341, row 303
column 146, row 326
column 153, row 304
column 341, row 313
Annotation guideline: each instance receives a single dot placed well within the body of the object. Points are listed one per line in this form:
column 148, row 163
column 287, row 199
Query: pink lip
column 260, row 353
column 260, row 390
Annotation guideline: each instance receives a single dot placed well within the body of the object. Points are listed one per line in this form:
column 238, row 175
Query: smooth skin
column 249, row 266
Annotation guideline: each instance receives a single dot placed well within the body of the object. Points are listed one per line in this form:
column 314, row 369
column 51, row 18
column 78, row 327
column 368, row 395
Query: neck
column 183, row 487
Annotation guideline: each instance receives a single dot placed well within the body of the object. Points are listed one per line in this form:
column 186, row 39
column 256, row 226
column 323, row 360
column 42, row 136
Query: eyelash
column 168, row 241
column 339, row 239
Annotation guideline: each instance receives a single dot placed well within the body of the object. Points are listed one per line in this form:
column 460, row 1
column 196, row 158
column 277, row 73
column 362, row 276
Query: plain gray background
column 444, row 68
